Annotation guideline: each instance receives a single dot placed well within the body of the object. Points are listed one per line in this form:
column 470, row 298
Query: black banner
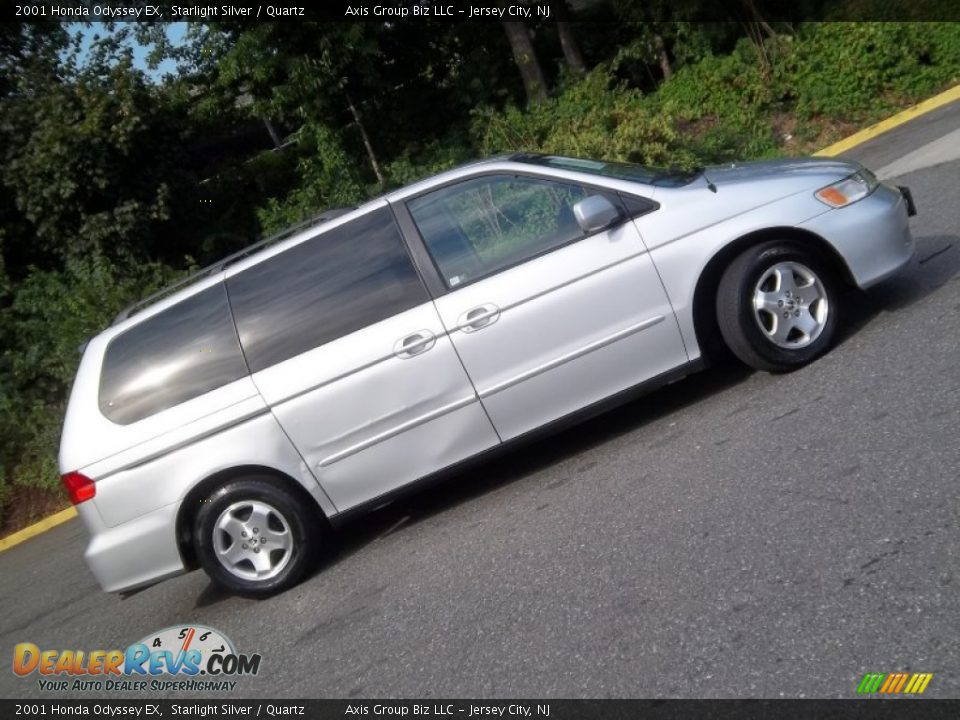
column 485, row 709
column 527, row 11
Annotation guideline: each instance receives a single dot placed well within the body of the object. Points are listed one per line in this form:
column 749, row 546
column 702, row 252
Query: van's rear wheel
column 777, row 306
column 255, row 538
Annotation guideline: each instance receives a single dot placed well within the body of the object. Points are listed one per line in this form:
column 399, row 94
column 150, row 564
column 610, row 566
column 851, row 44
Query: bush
column 700, row 115
column 723, row 108
column 857, row 71
column 416, row 163
column 328, row 178
column 594, row 117
column 49, row 315
column 727, row 102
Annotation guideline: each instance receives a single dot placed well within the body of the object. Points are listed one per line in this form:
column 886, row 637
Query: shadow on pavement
column 211, row 595
column 529, row 458
column 936, row 262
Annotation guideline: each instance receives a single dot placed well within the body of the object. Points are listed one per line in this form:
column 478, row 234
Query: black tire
column 302, row 523
column 751, row 334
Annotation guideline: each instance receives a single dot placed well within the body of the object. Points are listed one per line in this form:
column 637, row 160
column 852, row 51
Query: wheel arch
column 190, row 504
column 706, row 328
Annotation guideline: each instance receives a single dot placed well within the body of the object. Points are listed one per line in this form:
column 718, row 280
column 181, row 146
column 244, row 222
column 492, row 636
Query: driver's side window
column 486, row 224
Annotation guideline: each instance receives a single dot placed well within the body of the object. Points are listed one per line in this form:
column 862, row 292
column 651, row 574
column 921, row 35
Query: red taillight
column 80, row 487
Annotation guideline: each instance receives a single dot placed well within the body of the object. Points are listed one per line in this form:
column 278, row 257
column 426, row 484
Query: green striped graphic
column 871, row 683
column 894, row 683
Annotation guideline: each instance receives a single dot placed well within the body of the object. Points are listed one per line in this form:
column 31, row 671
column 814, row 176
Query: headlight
column 849, row 190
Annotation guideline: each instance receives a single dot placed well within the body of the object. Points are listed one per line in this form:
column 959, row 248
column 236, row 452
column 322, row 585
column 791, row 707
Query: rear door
column 546, row 319
column 348, row 350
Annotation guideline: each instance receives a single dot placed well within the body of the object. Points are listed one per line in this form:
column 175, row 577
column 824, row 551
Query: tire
column 255, row 538
column 777, row 306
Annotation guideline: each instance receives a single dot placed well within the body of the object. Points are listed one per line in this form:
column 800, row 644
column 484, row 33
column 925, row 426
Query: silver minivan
column 232, row 421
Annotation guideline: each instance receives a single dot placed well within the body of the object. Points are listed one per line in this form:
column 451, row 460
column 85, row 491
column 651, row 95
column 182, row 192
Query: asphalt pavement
column 735, row 534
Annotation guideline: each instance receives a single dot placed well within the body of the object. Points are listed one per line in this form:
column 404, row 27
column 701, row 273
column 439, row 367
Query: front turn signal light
column 849, row 190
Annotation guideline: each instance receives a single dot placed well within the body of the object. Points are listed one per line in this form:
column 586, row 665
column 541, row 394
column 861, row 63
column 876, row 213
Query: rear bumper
column 872, row 235
column 139, row 552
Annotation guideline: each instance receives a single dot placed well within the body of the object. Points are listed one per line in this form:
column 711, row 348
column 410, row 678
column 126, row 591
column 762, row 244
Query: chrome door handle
column 414, row 344
column 478, row 317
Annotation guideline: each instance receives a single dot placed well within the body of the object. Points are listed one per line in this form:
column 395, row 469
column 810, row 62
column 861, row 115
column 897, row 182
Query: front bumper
column 908, row 198
column 871, row 235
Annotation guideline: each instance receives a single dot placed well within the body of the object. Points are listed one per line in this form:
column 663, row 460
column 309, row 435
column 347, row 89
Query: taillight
column 80, row 487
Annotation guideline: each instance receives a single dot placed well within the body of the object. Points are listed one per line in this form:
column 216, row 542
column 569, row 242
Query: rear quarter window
column 176, row 355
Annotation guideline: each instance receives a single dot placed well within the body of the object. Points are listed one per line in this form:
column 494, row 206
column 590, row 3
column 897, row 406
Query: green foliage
column 728, row 106
column 419, row 161
column 724, row 104
column 860, row 70
column 729, row 86
column 75, row 164
column 52, row 313
column 595, row 118
column 328, row 178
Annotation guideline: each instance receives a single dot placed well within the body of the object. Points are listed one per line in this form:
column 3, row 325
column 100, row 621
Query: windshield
column 664, row 177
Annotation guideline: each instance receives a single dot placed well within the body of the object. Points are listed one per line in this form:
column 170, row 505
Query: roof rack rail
column 220, row 265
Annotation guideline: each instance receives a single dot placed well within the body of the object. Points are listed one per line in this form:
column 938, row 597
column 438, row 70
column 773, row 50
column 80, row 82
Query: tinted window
column 340, row 281
column 483, row 225
column 185, row 351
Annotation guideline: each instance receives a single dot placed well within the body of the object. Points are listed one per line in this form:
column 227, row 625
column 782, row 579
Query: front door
column 546, row 319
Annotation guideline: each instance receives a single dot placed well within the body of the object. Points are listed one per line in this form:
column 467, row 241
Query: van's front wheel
column 777, row 306
column 255, row 538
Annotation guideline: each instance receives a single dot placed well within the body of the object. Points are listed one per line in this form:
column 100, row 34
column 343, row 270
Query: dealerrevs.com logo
column 185, row 657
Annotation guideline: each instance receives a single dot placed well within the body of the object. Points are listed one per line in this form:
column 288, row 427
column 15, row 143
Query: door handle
column 415, row 344
column 478, row 318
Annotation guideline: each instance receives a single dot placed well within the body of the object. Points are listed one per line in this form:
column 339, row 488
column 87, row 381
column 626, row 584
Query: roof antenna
column 703, row 171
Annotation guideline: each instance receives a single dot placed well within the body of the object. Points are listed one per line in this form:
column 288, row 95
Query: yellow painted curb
column 41, row 527
column 900, row 118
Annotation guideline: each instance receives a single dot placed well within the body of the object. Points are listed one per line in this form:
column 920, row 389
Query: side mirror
column 595, row 213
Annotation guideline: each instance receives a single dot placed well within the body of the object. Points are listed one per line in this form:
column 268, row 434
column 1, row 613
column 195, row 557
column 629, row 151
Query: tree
column 299, row 73
column 341, row 78
column 662, row 56
column 568, row 42
column 30, row 60
column 91, row 158
column 98, row 157
column 525, row 58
